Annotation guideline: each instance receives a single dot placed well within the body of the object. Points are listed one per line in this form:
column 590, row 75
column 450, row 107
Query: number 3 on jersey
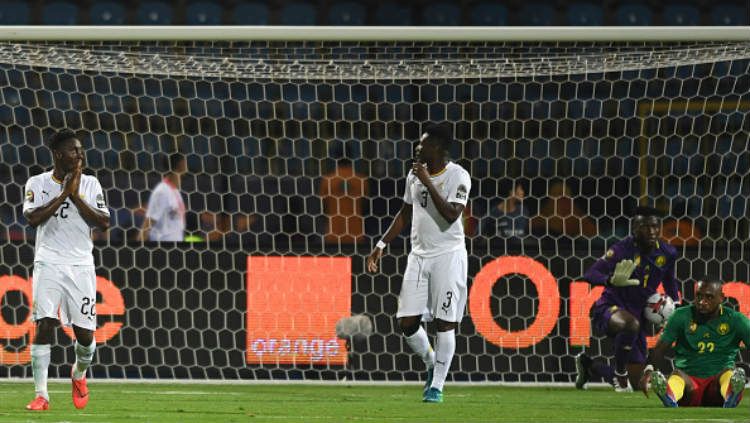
column 62, row 209
column 423, row 198
column 448, row 300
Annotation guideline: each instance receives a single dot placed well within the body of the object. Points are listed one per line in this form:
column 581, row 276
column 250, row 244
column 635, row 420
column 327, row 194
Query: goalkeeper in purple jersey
column 630, row 271
column 706, row 337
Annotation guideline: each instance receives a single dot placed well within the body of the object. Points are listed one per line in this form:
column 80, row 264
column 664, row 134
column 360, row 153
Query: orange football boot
column 80, row 391
column 39, row 404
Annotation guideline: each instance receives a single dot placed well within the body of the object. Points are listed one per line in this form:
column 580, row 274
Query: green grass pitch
column 184, row 403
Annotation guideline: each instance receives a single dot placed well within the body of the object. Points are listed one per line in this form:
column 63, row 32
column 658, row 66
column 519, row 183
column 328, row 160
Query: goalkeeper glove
column 621, row 276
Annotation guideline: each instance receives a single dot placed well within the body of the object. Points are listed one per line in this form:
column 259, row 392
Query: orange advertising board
column 111, row 305
column 293, row 304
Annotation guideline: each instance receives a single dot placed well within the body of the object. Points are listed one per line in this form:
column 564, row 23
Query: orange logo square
column 293, row 304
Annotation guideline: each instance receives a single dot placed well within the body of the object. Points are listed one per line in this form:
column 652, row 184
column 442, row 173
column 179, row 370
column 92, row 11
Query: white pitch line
column 277, row 382
column 153, row 392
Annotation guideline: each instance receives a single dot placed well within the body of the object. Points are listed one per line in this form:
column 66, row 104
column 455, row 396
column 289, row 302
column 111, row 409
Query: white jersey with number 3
column 65, row 238
column 431, row 234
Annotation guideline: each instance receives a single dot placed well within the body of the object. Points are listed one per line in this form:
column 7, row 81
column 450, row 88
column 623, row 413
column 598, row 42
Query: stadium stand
column 60, row 13
column 488, row 14
column 585, row 14
column 319, row 12
column 680, row 14
column 154, row 13
column 107, row 13
column 347, row 13
column 253, row 13
column 204, row 13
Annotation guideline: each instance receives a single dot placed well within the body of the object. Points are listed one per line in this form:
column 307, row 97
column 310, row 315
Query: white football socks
column 84, row 356
column 40, row 356
column 420, row 344
column 445, row 346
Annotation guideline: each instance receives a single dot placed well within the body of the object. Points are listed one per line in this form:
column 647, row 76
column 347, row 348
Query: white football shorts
column 435, row 287
column 69, row 290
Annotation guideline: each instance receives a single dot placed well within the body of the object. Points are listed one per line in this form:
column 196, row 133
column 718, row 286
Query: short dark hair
column 647, row 211
column 442, row 133
column 506, row 186
column 711, row 280
column 57, row 138
column 174, row 161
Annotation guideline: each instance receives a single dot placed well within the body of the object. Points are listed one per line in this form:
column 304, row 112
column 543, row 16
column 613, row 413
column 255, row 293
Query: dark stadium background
column 332, row 12
column 255, row 164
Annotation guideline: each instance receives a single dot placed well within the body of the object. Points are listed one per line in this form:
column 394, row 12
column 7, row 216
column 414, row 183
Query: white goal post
column 374, row 33
column 298, row 141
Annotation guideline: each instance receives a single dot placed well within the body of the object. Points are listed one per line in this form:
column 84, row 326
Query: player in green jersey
column 707, row 337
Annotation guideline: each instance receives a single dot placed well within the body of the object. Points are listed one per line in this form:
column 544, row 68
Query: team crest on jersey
column 693, row 327
column 461, row 192
column 660, row 261
column 723, row 329
column 30, row 196
column 100, row 201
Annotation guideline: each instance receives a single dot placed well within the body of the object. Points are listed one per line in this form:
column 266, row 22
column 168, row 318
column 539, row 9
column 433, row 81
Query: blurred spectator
column 681, row 233
column 343, row 192
column 560, row 216
column 214, row 225
column 11, row 228
column 222, row 226
column 130, row 221
column 507, row 216
column 165, row 213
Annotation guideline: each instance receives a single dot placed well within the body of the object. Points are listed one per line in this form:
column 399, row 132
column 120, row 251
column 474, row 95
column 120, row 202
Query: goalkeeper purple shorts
column 600, row 316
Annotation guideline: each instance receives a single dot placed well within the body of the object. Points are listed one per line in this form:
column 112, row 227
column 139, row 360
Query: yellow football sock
column 724, row 382
column 677, row 385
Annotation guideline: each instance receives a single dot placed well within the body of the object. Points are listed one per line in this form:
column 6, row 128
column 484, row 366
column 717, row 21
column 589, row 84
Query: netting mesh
column 301, row 149
column 369, row 61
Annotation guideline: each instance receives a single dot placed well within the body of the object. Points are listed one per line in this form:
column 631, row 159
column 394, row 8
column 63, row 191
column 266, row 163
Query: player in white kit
column 434, row 286
column 63, row 205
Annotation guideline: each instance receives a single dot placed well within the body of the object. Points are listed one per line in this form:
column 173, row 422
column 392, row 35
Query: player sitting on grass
column 707, row 337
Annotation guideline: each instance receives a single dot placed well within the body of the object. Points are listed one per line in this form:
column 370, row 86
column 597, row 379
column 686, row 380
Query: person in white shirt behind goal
column 434, row 285
column 165, row 214
column 63, row 205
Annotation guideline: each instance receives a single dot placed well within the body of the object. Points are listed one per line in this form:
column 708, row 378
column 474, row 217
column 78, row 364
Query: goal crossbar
column 374, row 33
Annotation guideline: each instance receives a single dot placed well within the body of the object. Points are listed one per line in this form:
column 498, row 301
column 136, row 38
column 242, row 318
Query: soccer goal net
column 298, row 142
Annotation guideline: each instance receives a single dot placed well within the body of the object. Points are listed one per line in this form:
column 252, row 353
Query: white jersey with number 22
column 65, row 238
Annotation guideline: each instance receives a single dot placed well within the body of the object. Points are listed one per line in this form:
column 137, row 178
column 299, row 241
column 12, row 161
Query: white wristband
column 380, row 245
column 648, row 368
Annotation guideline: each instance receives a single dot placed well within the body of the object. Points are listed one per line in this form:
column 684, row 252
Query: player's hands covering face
column 72, row 181
column 419, row 170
